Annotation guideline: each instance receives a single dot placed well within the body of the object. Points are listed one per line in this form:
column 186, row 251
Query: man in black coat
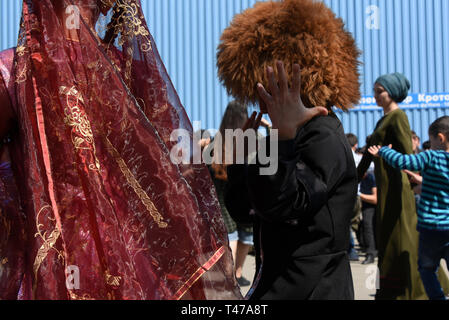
column 303, row 211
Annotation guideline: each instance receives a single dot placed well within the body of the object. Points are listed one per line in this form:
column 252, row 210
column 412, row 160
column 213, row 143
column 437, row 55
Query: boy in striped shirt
column 433, row 209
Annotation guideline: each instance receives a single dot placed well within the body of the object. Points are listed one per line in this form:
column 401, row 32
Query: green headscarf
column 396, row 84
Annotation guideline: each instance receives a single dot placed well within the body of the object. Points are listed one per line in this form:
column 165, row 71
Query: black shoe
column 243, row 282
column 369, row 259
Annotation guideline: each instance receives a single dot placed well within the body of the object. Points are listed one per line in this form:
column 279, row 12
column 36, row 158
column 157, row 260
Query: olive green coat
column 396, row 235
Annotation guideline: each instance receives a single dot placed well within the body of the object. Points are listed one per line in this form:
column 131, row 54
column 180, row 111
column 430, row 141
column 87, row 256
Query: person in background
column 368, row 196
column 396, row 219
column 240, row 234
column 357, row 212
column 433, row 210
column 426, row 146
column 416, row 142
column 354, row 143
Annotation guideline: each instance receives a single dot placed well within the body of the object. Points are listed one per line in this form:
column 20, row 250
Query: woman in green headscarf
column 396, row 233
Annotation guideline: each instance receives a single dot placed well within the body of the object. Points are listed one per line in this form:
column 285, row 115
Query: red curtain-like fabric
column 109, row 213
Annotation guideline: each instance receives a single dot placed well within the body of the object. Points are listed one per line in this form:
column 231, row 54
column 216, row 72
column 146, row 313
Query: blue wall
column 409, row 36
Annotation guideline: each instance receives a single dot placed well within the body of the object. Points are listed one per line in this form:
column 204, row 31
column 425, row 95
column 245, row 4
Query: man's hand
column 287, row 111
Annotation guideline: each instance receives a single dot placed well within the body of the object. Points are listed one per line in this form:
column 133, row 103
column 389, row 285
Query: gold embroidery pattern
column 20, row 50
column 132, row 181
column 129, row 24
column 126, row 26
column 22, row 74
column 74, row 296
column 111, row 280
column 48, row 242
column 75, row 117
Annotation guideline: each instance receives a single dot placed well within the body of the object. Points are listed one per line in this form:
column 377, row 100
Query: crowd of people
column 88, row 178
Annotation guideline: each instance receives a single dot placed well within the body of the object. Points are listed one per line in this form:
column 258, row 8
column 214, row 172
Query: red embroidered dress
column 96, row 183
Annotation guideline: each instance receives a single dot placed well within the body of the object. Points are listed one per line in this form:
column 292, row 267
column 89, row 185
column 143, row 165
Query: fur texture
column 293, row 31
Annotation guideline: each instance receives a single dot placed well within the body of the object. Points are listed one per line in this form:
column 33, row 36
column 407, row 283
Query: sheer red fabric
column 12, row 218
column 109, row 215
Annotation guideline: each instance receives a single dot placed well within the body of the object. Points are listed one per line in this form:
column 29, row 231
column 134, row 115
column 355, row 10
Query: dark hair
column 426, row 145
column 352, row 139
column 440, row 125
column 235, row 116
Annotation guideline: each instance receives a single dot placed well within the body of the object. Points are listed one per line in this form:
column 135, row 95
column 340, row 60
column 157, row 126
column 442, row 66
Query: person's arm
column 295, row 188
column 309, row 168
column 416, row 180
column 370, row 198
column 364, row 165
column 402, row 161
column 414, row 177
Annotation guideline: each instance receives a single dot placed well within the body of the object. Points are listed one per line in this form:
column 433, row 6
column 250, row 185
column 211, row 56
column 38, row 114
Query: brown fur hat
column 293, row 31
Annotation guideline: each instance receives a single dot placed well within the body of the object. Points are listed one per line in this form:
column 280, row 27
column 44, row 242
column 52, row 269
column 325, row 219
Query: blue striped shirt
column 433, row 209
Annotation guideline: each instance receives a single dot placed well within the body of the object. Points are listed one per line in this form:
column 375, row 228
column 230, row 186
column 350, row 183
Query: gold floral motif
column 111, row 280
column 75, row 117
column 129, row 23
column 20, row 50
column 5, row 261
column 48, row 242
column 52, row 98
column 22, row 74
column 74, row 296
column 132, row 181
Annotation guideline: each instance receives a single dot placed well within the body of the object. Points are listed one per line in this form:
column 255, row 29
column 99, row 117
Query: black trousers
column 368, row 230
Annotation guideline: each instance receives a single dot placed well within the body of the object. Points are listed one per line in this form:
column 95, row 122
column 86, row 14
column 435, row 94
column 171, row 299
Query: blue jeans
column 242, row 236
column 433, row 246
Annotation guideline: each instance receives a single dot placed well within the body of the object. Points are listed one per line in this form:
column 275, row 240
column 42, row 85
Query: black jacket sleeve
column 236, row 195
column 364, row 164
column 310, row 167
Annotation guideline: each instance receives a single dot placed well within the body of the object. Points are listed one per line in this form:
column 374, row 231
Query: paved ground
column 364, row 277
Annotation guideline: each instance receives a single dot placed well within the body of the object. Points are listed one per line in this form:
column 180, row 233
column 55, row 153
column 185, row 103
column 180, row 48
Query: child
column 433, row 209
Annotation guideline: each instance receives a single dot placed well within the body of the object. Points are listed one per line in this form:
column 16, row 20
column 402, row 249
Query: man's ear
column 442, row 138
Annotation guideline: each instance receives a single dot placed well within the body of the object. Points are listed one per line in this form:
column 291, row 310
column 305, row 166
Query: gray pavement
column 364, row 277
